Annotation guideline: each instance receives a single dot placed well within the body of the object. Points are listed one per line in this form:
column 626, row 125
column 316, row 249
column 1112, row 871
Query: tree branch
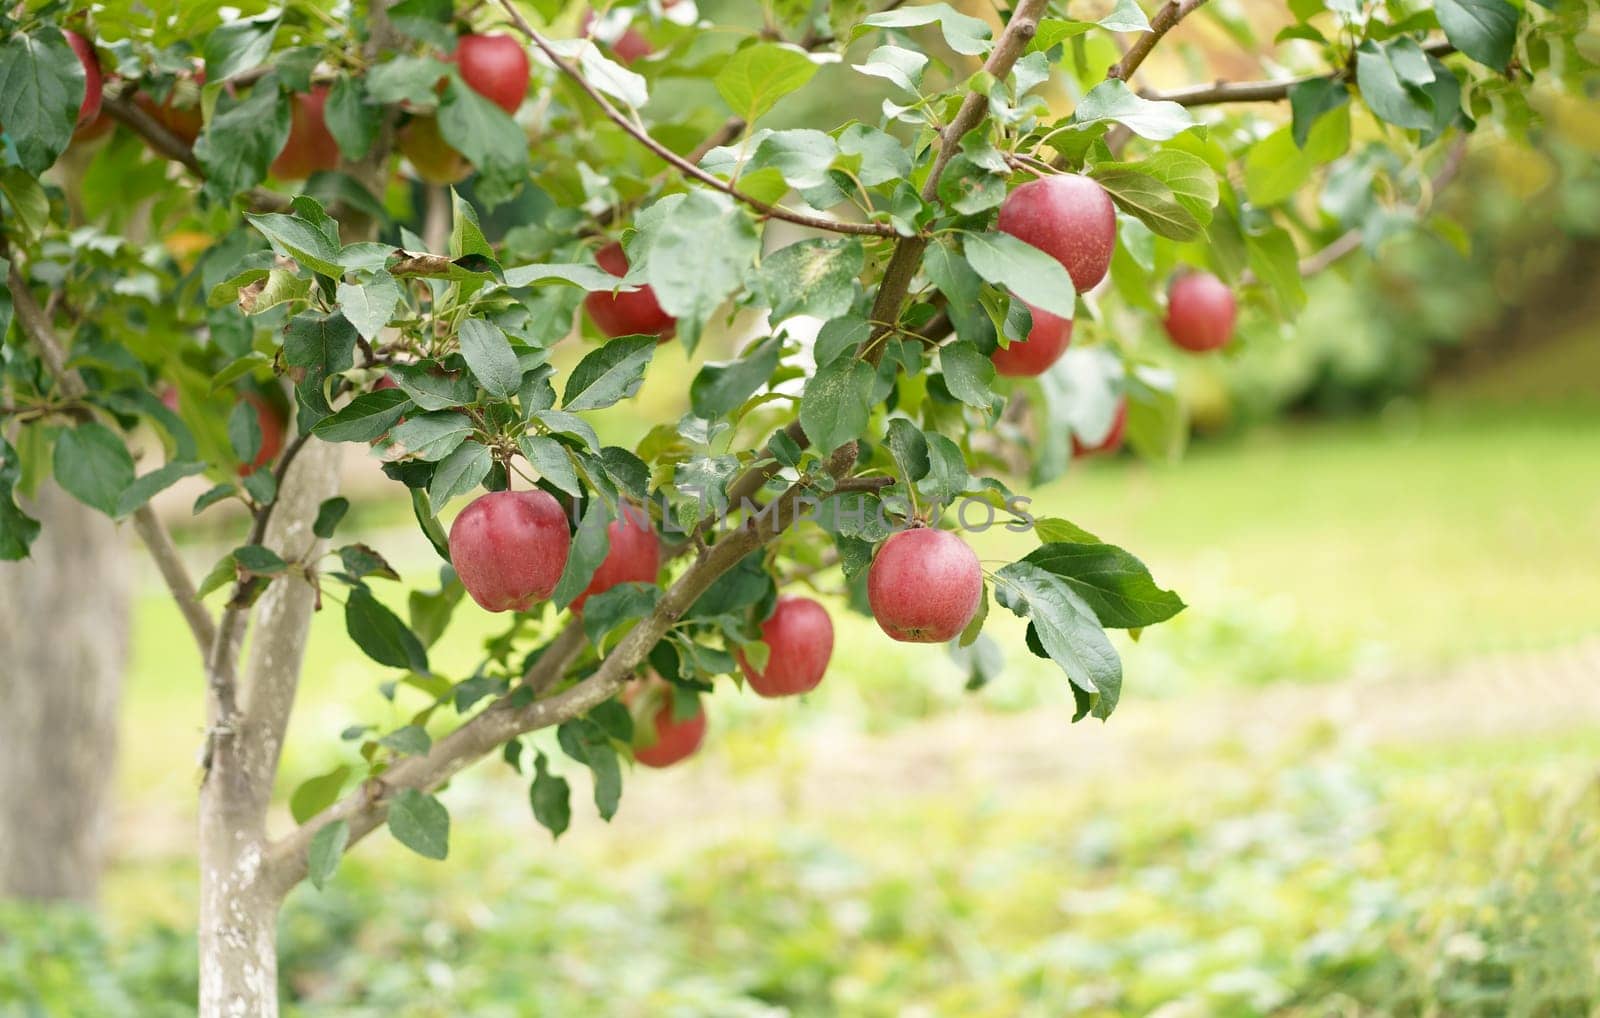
column 39, row 330
column 1172, row 12
column 672, row 158
column 365, row 808
column 1273, row 90
column 165, row 143
column 907, row 257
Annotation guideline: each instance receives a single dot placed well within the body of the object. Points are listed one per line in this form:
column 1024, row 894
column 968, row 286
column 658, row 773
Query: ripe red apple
column 1069, row 217
column 634, row 555
column 509, row 548
column 1200, row 312
column 627, row 314
column 1046, row 342
column 924, row 586
column 271, row 424
column 310, row 147
column 800, row 636
column 674, row 740
column 496, row 67
column 1113, row 440
column 430, row 155
column 92, row 82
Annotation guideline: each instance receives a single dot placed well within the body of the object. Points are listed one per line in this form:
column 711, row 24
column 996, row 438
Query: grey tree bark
column 64, row 634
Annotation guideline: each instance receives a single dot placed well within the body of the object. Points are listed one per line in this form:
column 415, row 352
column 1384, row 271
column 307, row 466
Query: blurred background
column 1356, row 777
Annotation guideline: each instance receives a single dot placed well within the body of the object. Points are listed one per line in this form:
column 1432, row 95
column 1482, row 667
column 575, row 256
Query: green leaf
column 609, row 374
column 244, row 431
column 699, row 249
column 837, row 403
column 31, row 207
column 316, row 794
column 491, row 141
column 428, row 437
column 422, row 509
column 590, row 544
column 551, row 798
column 1177, row 211
column 421, row 823
column 314, row 245
column 1054, row 530
column 968, row 374
column 1485, row 30
column 1378, row 73
column 241, row 139
column 962, row 32
column 754, row 78
column 604, row 612
column 369, row 306
column 351, row 119
column 17, row 529
column 406, row 79
column 1115, row 584
column 93, row 465
column 320, row 344
column 1114, row 101
column 411, row 740
column 158, row 480
column 902, row 66
column 460, row 472
column 1066, row 628
column 586, row 742
column 883, row 159
column 549, row 457
column 365, row 418
column 381, row 635
column 41, row 88
column 722, row 387
column 326, row 849
column 813, row 277
column 432, row 388
column 1023, row 269
column 969, row 187
column 1275, row 261
column 949, row 270
column 489, row 356
column 1309, row 100
column 587, row 277
column 259, row 560
column 236, row 46
column 329, row 515
column 803, row 156
column 1277, row 167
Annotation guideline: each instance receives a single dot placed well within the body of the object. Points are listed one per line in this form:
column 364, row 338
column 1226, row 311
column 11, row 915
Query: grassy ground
column 1203, row 872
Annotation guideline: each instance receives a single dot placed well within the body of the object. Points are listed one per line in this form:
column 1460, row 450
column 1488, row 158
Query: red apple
column 430, row 155
column 271, row 425
column 169, row 398
column 634, row 555
column 1113, row 440
column 674, row 740
column 509, row 548
column 1046, row 342
column 800, row 636
column 495, row 67
column 1069, row 217
column 92, row 82
column 627, row 314
column 1200, row 312
column 310, row 147
column 924, row 586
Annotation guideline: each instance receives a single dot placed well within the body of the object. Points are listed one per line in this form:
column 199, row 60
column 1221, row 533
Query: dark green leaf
column 489, row 356
column 609, row 374
column 157, row 480
column 812, row 277
column 605, row 611
column 381, row 635
column 329, row 514
column 412, row 740
column 351, row 119
column 589, row 547
column 837, row 403
column 93, row 466
column 1066, row 629
column 432, row 388
column 968, row 374
column 1378, row 73
column 326, row 848
column 421, row 823
column 429, row 437
column 460, row 472
column 1485, row 30
column 1310, row 99
column 41, row 87
column 1112, row 582
column 242, row 137
column 491, row 141
column 17, row 529
column 551, row 798
column 722, row 387
column 236, row 46
column 260, row 560
column 365, row 418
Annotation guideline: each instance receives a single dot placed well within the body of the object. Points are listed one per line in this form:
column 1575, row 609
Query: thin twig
column 672, row 158
column 1172, row 12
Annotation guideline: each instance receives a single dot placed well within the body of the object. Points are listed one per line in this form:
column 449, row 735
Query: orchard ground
column 1392, row 804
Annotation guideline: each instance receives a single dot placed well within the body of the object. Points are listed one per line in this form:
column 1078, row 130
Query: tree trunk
column 238, row 906
column 64, row 633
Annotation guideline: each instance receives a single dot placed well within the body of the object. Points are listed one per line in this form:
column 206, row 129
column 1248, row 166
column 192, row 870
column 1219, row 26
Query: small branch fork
column 685, row 166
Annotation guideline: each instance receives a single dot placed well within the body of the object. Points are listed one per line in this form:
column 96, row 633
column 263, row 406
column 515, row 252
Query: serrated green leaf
column 93, row 465
column 609, row 374
column 421, row 823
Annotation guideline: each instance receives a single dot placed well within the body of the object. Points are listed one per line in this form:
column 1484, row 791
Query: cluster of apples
column 1071, row 218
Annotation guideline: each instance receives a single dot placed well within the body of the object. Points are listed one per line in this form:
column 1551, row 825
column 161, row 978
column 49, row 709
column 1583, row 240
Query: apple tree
column 214, row 270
